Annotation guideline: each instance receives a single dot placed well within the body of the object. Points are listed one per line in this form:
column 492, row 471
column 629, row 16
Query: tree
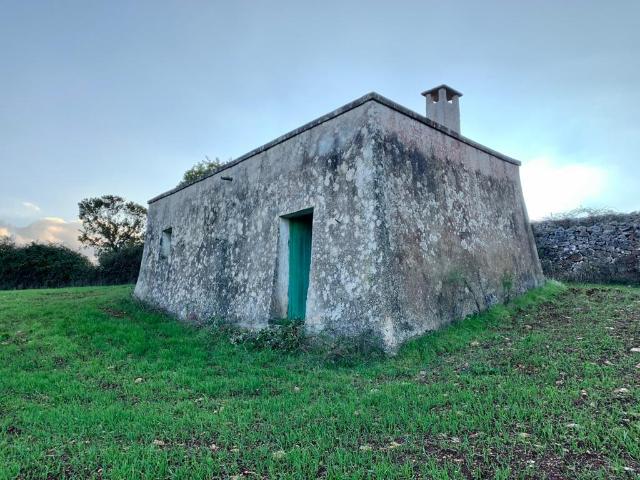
column 110, row 223
column 200, row 170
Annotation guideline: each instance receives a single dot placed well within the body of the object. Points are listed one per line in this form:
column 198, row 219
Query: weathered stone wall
column 458, row 235
column 226, row 233
column 604, row 249
column 412, row 227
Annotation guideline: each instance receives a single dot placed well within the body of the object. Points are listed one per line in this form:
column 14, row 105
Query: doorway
column 300, row 234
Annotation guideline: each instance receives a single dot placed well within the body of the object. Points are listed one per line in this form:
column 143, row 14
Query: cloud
column 46, row 230
column 31, row 206
column 16, row 211
column 552, row 188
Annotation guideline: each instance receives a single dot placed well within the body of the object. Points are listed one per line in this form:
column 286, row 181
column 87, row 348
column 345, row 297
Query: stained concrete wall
column 458, row 237
column 225, row 233
column 413, row 227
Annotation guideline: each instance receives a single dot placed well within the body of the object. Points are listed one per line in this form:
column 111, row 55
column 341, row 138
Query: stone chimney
column 443, row 106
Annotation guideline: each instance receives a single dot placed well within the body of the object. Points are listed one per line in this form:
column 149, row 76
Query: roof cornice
column 369, row 97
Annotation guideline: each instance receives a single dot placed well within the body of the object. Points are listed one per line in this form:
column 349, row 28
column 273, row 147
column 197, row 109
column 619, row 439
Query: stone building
column 369, row 220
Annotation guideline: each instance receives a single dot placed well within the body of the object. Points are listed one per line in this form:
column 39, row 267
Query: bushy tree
column 200, row 170
column 110, row 223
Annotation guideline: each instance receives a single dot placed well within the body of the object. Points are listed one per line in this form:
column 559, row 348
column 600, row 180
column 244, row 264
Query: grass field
column 94, row 386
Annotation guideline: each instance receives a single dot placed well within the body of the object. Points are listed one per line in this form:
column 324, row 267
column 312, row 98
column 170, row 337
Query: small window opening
column 165, row 243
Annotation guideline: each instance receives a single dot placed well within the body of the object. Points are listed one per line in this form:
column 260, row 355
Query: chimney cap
column 451, row 92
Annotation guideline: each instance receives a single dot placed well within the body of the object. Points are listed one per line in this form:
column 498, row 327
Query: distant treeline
column 112, row 226
column 38, row 265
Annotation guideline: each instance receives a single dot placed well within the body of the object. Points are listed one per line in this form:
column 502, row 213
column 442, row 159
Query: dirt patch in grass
column 13, row 430
column 110, row 386
column 523, row 459
column 113, row 312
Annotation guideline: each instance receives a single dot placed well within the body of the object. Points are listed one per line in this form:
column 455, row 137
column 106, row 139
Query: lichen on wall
column 458, row 238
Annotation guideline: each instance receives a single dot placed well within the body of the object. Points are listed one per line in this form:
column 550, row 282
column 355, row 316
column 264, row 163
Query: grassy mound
column 92, row 385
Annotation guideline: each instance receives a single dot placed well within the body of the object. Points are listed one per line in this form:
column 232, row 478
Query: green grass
column 523, row 391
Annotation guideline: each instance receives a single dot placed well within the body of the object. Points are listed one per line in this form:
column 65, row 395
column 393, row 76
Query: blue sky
column 122, row 97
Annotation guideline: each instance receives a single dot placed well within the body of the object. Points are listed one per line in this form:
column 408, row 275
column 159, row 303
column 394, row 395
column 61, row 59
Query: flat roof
column 369, row 97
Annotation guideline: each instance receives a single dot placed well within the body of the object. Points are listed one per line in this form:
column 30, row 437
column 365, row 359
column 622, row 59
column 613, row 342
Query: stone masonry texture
column 602, row 249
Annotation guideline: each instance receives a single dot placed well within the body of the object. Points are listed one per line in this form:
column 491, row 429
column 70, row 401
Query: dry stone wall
column 603, row 249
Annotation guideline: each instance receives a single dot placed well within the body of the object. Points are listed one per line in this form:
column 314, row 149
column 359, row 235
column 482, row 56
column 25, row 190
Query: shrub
column 289, row 336
column 285, row 336
column 120, row 266
column 38, row 265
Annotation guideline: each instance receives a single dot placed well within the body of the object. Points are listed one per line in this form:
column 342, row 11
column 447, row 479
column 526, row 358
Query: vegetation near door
column 299, row 265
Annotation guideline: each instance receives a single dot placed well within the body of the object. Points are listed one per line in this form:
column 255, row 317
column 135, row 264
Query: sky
column 122, row 97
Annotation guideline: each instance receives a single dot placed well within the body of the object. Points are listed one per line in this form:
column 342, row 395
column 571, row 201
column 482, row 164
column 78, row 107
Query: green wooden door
column 299, row 265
